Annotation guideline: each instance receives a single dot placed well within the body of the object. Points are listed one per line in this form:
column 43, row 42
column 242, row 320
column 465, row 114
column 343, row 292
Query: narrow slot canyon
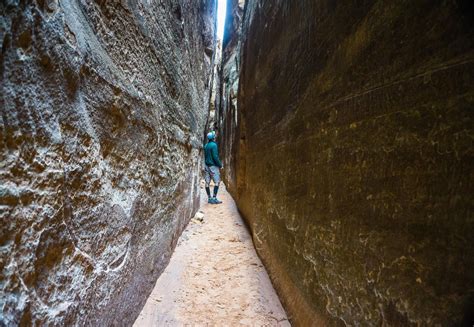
column 344, row 134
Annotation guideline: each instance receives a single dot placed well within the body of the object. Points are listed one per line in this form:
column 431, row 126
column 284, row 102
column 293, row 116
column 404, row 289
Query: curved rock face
column 351, row 141
column 103, row 109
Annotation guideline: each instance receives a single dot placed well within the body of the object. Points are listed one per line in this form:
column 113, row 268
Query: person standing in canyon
column 211, row 167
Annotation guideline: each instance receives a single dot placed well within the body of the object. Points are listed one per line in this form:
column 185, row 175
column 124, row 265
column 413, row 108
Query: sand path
column 215, row 277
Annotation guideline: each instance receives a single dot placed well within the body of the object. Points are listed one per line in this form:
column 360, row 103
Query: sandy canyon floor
column 215, row 277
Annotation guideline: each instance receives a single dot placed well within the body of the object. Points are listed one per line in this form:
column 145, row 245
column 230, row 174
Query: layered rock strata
column 351, row 149
column 102, row 114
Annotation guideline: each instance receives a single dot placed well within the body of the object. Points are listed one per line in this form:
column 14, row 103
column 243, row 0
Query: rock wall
column 226, row 103
column 103, row 109
column 351, row 145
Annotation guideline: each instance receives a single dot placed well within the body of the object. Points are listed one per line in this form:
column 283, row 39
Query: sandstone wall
column 352, row 150
column 103, row 110
column 226, row 102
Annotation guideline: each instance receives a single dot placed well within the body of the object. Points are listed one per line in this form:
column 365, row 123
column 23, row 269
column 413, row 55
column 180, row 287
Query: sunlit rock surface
column 102, row 112
column 350, row 137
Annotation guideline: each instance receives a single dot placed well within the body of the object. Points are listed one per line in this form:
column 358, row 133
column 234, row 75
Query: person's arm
column 215, row 156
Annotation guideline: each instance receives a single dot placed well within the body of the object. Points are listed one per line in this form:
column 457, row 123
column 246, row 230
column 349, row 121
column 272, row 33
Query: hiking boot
column 217, row 201
column 211, row 201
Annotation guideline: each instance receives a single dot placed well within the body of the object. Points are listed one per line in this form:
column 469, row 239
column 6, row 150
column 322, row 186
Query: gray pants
column 212, row 172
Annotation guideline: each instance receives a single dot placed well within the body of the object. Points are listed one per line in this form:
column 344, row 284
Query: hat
column 211, row 135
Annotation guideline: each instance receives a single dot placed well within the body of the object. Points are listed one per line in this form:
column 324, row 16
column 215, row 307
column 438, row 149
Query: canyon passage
column 215, row 277
column 345, row 130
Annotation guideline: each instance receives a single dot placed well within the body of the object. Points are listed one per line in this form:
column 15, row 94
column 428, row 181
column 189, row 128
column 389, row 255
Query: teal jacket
column 212, row 155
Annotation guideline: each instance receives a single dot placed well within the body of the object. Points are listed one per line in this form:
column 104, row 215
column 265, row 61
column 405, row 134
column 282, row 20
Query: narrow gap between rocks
column 214, row 277
column 345, row 133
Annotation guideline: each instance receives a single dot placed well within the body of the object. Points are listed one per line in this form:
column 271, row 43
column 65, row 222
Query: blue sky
column 221, row 6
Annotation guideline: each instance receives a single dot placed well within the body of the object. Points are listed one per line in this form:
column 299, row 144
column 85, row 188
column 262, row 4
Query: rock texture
column 351, row 145
column 103, row 110
column 226, row 102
